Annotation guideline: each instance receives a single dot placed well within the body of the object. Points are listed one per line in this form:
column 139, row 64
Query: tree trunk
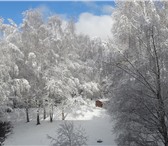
column 51, row 114
column 162, row 116
column 51, row 117
column 161, row 106
column 44, row 113
column 27, row 115
column 38, row 117
column 63, row 114
column 63, row 117
column 166, row 143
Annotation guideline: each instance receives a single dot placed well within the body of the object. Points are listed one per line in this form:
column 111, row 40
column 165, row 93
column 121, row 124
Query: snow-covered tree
column 21, row 89
column 49, row 55
column 137, row 82
column 69, row 135
column 60, row 86
column 10, row 54
column 34, row 34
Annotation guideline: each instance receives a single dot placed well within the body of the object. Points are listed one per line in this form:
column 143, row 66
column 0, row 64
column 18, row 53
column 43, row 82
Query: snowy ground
column 94, row 120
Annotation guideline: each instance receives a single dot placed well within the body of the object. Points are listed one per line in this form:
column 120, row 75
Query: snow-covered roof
column 104, row 100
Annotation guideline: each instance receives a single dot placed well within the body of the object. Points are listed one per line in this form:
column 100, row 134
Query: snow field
column 94, row 120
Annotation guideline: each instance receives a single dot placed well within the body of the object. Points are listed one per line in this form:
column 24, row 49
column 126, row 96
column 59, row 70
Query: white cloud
column 91, row 4
column 104, row 9
column 87, row 23
column 107, row 9
column 44, row 10
column 94, row 26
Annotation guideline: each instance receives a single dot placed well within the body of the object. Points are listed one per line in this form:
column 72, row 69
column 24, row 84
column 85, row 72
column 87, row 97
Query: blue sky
column 14, row 10
column 92, row 18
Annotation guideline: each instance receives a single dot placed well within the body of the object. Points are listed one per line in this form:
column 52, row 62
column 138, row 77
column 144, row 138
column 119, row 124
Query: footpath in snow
column 94, row 120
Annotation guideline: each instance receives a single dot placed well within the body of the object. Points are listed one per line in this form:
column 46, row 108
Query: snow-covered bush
column 69, row 135
column 91, row 90
column 5, row 124
column 5, row 129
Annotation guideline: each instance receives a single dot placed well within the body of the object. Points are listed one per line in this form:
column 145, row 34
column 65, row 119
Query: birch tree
column 139, row 76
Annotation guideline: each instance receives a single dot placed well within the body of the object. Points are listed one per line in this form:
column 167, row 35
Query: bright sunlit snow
column 94, row 120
